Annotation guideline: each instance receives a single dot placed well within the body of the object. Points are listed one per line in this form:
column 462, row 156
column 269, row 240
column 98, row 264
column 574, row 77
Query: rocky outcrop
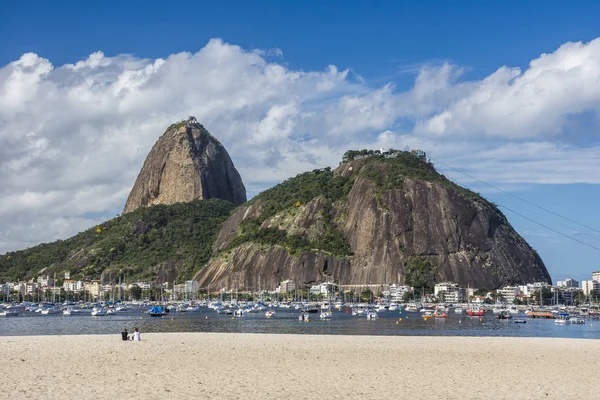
column 185, row 164
column 390, row 228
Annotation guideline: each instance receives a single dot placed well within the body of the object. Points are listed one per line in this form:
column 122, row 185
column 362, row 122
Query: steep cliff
column 185, row 164
column 373, row 220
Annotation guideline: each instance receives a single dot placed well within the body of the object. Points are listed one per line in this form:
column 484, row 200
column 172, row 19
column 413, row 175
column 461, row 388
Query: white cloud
column 511, row 103
column 74, row 137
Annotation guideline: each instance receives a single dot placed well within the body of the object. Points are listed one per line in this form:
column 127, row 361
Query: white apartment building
column 446, row 287
column 31, row 287
column 509, row 293
column 45, row 280
column 325, row 288
column 453, row 293
column 568, row 283
column 397, row 292
column 69, row 285
column 588, row 286
column 286, row 286
column 191, row 287
column 456, row 296
column 93, row 288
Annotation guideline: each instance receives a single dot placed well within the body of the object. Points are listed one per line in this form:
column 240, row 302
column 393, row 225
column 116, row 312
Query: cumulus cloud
column 511, row 103
column 74, row 137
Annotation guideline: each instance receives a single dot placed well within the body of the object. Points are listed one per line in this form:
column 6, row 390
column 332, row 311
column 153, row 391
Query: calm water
column 286, row 321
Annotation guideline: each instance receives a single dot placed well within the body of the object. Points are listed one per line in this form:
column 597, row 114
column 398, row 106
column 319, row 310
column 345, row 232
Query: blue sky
column 406, row 74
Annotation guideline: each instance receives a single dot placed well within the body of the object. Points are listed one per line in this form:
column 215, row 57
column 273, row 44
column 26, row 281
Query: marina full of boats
column 380, row 318
column 323, row 310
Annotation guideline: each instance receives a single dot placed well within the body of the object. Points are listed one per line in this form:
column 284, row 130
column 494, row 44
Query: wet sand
column 261, row 366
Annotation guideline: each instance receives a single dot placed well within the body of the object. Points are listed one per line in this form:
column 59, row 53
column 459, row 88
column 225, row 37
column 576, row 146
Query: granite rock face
column 464, row 239
column 185, row 164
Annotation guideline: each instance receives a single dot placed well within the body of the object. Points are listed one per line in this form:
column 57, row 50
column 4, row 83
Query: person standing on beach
column 124, row 334
column 136, row 335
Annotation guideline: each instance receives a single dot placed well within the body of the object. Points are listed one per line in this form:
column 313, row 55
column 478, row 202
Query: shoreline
column 257, row 365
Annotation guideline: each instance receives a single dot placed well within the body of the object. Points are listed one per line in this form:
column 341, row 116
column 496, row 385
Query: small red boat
column 475, row 312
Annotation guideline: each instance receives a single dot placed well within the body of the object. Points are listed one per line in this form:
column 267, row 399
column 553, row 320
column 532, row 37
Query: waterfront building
column 452, row 292
column 191, row 288
column 397, row 292
column 457, row 296
column 509, row 293
column 45, row 280
column 326, row 289
column 31, row 287
column 588, row 286
column 568, row 283
column 446, row 287
column 179, row 290
column 69, row 285
column 286, row 286
column 93, row 288
column 596, row 276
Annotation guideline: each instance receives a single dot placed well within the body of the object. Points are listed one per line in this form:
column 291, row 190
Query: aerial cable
column 519, row 198
column 535, row 222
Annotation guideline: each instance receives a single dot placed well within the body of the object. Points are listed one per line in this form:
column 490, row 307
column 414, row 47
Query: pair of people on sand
column 135, row 336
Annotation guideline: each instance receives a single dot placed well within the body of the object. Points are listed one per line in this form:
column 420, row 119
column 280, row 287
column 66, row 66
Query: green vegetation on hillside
column 419, row 273
column 303, row 188
column 389, row 173
column 132, row 244
column 298, row 190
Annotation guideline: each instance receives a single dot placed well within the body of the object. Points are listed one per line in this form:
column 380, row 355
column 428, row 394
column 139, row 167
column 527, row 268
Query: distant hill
column 378, row 218
column 185, row 164
column 156, row 243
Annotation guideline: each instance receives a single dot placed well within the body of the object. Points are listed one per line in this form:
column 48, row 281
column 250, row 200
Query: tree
column 497, row 297
column 136, row 292
column 546, row 295
column 442, row 296
column 419, row 273
column 408, row 296
column 580, row 298
column 366, row 295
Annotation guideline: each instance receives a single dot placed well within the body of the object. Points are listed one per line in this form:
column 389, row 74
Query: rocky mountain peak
column 185, row 164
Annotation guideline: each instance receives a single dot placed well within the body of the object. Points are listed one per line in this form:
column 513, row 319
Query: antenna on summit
column 192, row 120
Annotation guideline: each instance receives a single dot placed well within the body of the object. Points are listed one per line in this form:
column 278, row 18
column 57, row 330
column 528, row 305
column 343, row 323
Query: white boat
column 411, row 308
column 270, row 314
column 111, row 311
column 49, row 311
column 498, row 309
column 326, row 315
column 570, row 320
column 98, row 312
column 6, row 313
column 458, row 310
column 372, row 315
column 192, row 309
column 239, row 312
column 513, row 310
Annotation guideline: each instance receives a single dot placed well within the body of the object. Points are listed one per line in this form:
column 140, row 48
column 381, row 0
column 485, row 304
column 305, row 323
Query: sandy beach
column 260, row 366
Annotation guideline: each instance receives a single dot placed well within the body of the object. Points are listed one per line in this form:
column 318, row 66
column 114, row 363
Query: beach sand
column 261, row 366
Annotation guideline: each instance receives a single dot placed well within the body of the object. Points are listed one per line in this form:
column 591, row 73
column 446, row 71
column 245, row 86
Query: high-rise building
column 588, row 286
column 568, row 283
